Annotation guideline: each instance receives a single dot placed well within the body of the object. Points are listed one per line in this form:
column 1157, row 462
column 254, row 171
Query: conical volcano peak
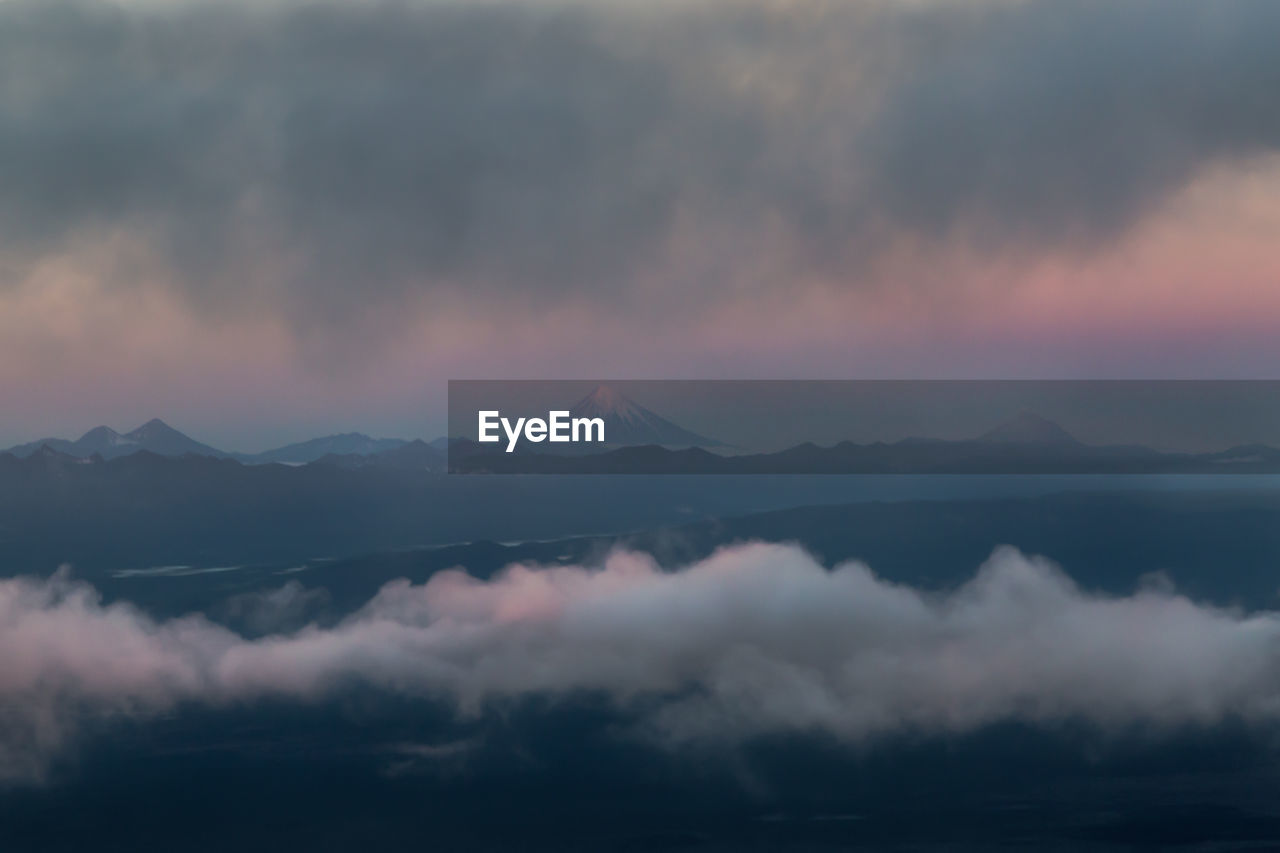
column 629, row 423
column 151, row 428
column 606, row 400
column 607, row 396
column 1029, row 428
column 158, row 437
column 604, row 395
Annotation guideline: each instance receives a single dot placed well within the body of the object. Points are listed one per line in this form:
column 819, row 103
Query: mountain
column 155, row 435
column 62, row 445
column 1027, row 444
column 627, row 423
column 345, row 444
column 45, row 461
column 1246, row 455
column 1029, row 428
column 414, row 455
column 161, row 439
column 105, row 441
column 102, row 440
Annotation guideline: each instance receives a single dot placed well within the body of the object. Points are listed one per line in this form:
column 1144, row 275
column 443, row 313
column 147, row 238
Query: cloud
column 285, row 608
column 266, row 217
column 754, row 640
column 317, row 159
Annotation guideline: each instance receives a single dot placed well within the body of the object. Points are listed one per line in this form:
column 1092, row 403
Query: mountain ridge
column 312, row 449
column 155, row 435
column 1026, row 444
column 158, row 437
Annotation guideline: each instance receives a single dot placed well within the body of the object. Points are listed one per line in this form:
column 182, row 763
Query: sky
column 268, row 221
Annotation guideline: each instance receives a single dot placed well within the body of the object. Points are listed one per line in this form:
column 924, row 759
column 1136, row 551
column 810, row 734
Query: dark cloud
column 322, row 156
column 1057, row 121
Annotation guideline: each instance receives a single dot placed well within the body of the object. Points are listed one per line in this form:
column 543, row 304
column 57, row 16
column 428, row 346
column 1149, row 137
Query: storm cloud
column 316, row 158
column 754, row 640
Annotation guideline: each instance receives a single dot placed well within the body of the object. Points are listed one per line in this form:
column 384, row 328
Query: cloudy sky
column 264, row 221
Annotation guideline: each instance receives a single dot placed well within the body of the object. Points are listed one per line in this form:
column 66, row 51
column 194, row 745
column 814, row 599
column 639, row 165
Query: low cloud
column 273, row 611
column 754, row 640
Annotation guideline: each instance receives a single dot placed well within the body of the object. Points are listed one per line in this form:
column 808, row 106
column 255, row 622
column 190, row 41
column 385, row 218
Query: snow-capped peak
column 629, row 423
column 605, row 401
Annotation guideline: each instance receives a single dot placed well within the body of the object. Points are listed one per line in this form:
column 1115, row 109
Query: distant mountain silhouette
column 155, row 436
column 1027, row 444
column 86, row 445
column 414, row 455
column 158, row 437
column 345, row 444
column 627, row 423
column 1029, row 428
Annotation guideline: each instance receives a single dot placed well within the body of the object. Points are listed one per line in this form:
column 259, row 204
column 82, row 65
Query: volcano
column 1029, row 428
column 627, row 423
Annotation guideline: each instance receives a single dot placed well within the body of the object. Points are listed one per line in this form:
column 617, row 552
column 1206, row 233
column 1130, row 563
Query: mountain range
column 156, row 436
column 345, row 444
column 1026, row 444
column 642, row 442
column 626, row 424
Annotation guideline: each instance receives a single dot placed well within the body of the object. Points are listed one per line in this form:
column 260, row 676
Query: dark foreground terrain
column 573, row 773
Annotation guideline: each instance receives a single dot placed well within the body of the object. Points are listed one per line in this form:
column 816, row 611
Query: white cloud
column 755, row 639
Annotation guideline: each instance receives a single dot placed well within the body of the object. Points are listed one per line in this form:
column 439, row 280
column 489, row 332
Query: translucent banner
column 863, row 427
